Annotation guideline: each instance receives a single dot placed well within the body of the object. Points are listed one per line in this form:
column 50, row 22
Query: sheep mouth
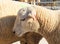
column 21, row 34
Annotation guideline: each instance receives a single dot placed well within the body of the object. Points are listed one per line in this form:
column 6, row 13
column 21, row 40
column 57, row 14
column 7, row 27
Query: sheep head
column 26, row 21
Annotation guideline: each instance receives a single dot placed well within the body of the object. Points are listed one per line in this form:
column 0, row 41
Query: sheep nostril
column 25, row 43
column 14, row 32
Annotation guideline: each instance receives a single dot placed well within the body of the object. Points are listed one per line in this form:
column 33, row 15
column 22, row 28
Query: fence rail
column 50, row 5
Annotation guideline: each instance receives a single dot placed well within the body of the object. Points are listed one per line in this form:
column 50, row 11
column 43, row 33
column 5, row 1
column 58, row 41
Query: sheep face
column 25, row 21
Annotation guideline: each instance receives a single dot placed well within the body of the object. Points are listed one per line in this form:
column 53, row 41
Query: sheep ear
column 32, row 16
column 29, row 15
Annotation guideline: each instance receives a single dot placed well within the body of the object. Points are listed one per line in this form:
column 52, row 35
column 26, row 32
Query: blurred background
column 50, row 4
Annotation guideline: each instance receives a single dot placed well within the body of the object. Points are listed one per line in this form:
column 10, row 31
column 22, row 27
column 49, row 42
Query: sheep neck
column 47, row 19
column 49, row 24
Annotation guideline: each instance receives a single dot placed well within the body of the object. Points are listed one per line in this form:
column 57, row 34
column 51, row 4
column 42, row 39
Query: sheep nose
column 14, row 32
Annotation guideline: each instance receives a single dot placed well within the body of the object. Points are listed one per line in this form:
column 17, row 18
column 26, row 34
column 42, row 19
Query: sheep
column 8, row 37
column 38, row 19
column 8, row 13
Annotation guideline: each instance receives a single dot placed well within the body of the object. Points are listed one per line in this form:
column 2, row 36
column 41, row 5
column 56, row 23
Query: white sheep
column 38, row 19
column 8, row 13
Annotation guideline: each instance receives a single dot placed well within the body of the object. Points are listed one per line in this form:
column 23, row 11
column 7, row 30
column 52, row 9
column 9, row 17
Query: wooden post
column 23, row 0
column 54, row 3
column 31, row 1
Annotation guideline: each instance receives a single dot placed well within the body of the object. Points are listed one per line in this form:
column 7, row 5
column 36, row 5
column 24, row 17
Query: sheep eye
column 22, row 19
